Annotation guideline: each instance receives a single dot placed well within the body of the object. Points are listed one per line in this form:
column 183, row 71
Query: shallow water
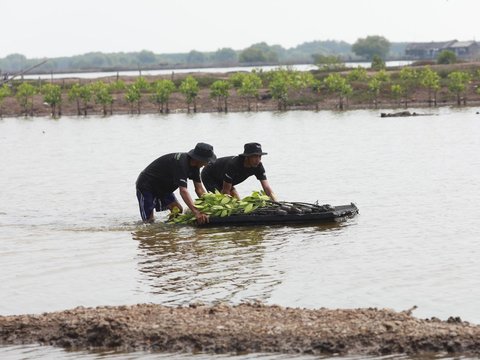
column 70, row 235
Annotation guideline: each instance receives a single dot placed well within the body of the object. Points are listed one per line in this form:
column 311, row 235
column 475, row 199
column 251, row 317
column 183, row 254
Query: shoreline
column 303, row 99
column 244, row 328
column 208, row 107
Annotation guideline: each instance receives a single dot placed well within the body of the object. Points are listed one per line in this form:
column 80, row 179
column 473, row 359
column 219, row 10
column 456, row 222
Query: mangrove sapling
column 221, row 205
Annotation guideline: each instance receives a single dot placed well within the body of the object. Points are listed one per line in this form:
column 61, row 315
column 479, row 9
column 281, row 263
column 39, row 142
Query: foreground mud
column 242, row 328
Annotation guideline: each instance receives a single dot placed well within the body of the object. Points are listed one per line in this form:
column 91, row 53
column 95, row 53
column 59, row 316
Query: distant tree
column 258, row 53
column 220, row 90
column 458, row 84
column 196, row 57
column 371, row 46
column 146, row 57
column 189, row 88
column 15, row 62
column 225, row 56
column 323, row 47
column 4, row 92
column 446, row 57
column 162, row 90
column 24, row 95
column 52, row 95
column 430, row 80
column 97, row 60
column 338, row 85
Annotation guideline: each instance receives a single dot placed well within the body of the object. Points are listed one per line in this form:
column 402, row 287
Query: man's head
column 202, row 154
column 253, row 154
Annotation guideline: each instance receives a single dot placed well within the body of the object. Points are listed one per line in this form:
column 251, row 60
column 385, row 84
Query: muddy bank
column 305, row 99
column 242, row 328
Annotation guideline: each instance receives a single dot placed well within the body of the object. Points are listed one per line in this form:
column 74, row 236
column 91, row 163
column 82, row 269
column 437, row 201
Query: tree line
column 259, row 53
column 285, row 86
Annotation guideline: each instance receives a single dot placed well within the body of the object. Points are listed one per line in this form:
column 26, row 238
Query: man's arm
column 228, row 189
column 268, row 190
column 201, row 217
column 199, row 189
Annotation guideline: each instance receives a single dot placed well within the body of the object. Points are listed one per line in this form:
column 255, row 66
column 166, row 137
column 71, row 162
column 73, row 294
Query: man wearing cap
column 226, row 172
column 157, row 182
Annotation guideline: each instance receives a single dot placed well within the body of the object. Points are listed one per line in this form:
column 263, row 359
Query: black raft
column 286, row 213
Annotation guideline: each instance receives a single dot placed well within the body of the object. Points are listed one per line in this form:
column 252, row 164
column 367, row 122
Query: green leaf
column 248, row 208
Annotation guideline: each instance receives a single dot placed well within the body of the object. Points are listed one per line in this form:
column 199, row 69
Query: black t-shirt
column 167, row 173
column 231, row 170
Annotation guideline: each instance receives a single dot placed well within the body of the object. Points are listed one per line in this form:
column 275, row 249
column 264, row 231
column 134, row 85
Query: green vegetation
column 283, row 88
column 52, row 95
column 328, row 62
column 189, row 88
column 249, row 88
column 430, row 80
column 260, row 53
column 4, row 92
column 220, row 90
column 221, row 205
column 102, row 94
column 371, row 46
column 446, row 57
column 458, row 85
column 409, row 80
column 338, row 85
column 25, row 93
column 378, row 63
column 162, row 89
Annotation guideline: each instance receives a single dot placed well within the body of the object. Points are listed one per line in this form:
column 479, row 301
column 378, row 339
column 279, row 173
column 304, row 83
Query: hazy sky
column 52, row 28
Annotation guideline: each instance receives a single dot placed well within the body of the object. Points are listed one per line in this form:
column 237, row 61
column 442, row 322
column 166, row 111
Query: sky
column 55, row 28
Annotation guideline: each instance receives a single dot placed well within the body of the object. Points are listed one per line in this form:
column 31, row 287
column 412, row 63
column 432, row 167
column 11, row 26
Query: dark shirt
column 231, row 170
column 167, row 173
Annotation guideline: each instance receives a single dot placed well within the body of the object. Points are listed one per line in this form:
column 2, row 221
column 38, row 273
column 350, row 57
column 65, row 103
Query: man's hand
column 201, row 217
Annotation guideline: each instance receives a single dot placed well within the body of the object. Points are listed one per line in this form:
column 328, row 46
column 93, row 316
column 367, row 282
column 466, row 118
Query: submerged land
column 243, row 328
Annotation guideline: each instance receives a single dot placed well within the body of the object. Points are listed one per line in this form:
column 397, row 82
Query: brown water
column 70, row 235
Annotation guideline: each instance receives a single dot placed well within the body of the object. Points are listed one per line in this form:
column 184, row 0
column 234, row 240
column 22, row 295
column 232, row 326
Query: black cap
column 252, row 149
column 203, row 152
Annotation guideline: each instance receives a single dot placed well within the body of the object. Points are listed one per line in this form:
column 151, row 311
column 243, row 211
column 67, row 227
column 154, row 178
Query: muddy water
column 70, row 236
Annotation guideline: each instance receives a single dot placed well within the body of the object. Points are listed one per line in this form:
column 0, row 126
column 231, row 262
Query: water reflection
column 188, row 264
column 183, row 264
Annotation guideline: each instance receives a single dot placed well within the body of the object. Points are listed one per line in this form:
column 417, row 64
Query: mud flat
column 241, row 329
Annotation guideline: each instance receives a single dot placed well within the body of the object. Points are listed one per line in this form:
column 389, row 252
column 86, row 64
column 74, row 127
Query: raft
column 288, row 213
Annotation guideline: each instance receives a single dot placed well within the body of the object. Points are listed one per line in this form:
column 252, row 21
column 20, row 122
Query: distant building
column 430, row 50
column 465, row 49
